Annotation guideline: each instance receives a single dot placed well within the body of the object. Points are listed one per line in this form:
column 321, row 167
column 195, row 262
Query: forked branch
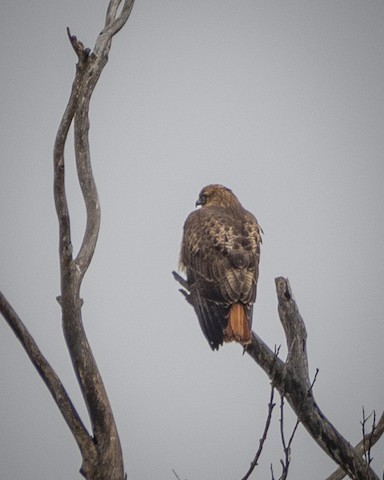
column 368, row 440
column 101, row 450
column 108, row 462
column 297, row 389
column 291, row 379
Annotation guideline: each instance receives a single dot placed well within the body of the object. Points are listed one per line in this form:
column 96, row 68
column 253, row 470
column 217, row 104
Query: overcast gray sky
column 280, row 101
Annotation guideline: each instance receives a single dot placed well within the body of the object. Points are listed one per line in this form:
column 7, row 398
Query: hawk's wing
column 220, row 252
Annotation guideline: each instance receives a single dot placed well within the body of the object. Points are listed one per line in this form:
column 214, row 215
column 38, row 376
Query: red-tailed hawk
column 220, row 253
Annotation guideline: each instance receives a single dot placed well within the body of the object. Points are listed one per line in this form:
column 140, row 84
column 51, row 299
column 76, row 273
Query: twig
column 176, row 475
column 255, row 460
column 360, row 448
column 368, row 437
column 286, row 450
column 286, row 447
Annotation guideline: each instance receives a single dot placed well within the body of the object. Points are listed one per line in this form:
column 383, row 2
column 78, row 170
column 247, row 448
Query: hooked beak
column 198, row 203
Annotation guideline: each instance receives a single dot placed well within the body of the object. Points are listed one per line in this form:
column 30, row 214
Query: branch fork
column 100, row 448
column 291, row 379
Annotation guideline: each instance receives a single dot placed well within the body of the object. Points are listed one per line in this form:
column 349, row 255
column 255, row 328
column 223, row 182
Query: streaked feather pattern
column 220, row 253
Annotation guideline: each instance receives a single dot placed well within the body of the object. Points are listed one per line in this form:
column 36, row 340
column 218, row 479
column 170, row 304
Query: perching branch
column 296, row 387
column 291, row 379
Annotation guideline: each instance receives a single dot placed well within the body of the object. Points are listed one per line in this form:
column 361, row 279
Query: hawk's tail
column 223, row 323
column 238, row 328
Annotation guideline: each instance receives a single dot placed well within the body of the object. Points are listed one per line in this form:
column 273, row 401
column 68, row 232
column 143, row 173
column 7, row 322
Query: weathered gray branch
column 297, row 389
column 108, row 461
column 369, row 440
column 101, row 451
column 291, row 379
column 48, row 375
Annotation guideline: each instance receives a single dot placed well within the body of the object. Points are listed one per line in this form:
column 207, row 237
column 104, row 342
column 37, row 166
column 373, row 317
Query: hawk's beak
column 198, row 203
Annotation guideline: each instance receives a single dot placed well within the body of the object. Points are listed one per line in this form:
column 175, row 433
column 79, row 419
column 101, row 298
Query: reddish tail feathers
column 238, row 329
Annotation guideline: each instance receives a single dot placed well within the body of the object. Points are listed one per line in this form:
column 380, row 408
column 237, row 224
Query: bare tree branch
column 89, row 68
column 48, row 375
column 286, row 446
column 255, row 460
column 101, row 452
column 360, row 448
column 291, row 379
column 176, row 475
column 114, row 21
column 271, row 406
column 298, row 391
column 367, row 437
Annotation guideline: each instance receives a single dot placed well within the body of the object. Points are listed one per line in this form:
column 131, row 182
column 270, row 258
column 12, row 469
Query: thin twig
column 359, row 448
column 368, row 437
column 255, row 460
column 287, row 448
column 176, row 475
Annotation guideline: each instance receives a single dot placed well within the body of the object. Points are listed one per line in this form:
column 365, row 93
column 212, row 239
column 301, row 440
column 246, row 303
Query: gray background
column 280, row 101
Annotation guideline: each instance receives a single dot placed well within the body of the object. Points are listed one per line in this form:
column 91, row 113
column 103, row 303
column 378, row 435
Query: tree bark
column 291, row 379
column 103, row 458
column 100, row 449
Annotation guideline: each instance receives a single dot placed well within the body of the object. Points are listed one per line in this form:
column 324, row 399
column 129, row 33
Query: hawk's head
column 217, row 195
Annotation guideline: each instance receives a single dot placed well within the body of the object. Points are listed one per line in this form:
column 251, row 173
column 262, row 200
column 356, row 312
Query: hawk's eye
column 202, row 200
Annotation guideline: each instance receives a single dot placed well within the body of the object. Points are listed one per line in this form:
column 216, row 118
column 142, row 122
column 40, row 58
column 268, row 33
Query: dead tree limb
column 369, row 439
column 47, row 373
column 291, row 379
column 296, row 387
column 101, row 449
column 108, row 462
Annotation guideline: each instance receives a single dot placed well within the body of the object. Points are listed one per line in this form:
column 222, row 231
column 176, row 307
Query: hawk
column 220, row 254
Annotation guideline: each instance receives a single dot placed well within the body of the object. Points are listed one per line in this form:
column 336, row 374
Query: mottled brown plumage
column 220, row 253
